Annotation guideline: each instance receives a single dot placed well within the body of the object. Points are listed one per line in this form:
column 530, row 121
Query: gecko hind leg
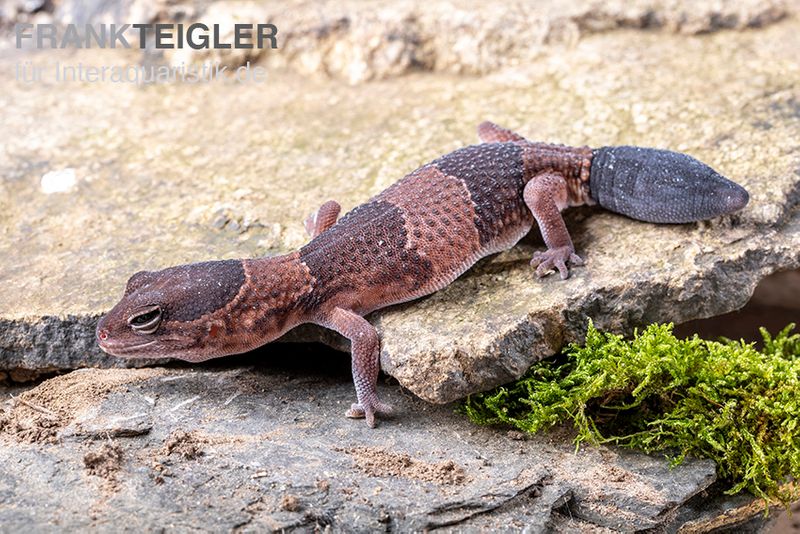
column 365, row 348
column 546, row 195
column 322, row 219
column 489, row 132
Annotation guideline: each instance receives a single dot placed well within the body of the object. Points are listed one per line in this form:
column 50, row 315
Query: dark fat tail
column 661, row 186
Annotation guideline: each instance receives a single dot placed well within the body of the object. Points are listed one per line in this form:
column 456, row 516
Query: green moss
column 721, row 400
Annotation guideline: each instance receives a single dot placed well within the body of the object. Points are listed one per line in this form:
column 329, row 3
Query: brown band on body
column 439, row 217
column 275, row 285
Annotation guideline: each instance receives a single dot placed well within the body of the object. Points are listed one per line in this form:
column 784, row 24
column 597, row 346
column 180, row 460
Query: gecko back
column 425, row 230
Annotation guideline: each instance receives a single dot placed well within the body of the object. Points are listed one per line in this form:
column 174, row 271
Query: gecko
column 410, row 240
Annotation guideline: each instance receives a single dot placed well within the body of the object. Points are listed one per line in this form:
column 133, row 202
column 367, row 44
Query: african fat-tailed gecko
column 411, row 240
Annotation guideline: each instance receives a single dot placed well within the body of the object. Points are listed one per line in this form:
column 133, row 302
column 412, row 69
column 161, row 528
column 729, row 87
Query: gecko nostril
column 102, row 335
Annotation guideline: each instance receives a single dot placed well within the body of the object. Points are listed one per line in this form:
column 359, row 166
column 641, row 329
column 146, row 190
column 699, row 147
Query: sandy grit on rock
column 187, row 445
column 378, row 462
column 38, row 414
column 105, row 464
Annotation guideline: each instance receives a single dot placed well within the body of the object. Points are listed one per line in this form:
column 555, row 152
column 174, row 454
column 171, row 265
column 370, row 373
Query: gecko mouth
column 122, row 349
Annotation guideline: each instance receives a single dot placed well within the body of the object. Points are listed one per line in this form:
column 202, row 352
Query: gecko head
column 174, row 313
column 661, row 186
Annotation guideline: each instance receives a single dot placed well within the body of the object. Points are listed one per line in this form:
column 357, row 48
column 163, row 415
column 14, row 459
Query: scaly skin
column 411, row 240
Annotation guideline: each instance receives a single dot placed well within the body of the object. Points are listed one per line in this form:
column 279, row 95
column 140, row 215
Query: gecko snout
column 102, row 335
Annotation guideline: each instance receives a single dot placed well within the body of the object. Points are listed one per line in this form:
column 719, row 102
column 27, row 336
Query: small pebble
column 59, row 181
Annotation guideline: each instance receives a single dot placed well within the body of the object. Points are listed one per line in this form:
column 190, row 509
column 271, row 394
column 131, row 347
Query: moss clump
column 721, row 400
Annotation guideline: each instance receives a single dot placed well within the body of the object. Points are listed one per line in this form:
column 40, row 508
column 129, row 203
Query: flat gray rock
column 259, row 449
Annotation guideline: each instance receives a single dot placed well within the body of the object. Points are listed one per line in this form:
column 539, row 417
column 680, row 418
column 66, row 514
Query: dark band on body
column 365, row 248
column 493, row 174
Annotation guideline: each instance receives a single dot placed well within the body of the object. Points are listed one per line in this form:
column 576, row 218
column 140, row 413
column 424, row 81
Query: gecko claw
column 562, row 269
column 555, row 258
column 358, row 411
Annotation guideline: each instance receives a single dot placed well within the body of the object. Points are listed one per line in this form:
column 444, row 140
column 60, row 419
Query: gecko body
column 410, row 240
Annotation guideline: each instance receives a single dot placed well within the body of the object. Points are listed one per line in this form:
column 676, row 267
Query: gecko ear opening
column 138, row 280
column 145, row 320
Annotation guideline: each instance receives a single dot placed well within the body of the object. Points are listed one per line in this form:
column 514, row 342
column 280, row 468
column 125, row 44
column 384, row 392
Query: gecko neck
column 276, row 294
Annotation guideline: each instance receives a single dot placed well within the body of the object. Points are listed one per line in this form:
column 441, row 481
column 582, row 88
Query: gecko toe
column 356, row 411
column 555, row 259
column 368, row 411
column 538, row 258
column 384, row 409
column 544, row 268
column 562, row 269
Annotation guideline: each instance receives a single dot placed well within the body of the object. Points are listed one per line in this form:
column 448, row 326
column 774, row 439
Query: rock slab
column 254, row 448
column 209, row 181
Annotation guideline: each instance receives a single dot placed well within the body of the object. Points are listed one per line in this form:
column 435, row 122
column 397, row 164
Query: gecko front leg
column 546, row 195
column 322, row 219
column 365, row 349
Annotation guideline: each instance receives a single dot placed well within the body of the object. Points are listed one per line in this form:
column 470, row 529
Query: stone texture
column 358, row 42
column 253, row 449
column 169, row 173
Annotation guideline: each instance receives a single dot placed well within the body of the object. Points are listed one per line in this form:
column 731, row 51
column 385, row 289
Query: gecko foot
column 359, row 411
column 555, row 258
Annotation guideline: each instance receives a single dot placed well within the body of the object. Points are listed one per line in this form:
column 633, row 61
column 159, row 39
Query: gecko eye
column 145, row 320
